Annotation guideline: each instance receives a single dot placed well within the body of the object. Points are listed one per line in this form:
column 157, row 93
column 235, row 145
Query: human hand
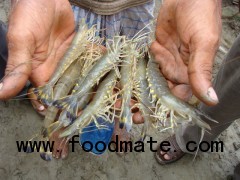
column 39, row 33
column 187, row 38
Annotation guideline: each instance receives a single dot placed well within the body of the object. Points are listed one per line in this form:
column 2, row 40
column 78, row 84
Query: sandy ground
column 18, row 121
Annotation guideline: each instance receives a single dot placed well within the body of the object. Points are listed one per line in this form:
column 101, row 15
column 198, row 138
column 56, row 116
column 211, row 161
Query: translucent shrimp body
column 141, row 93
column 108, row 62
column 78, row 46
column 168, row 104
column 128, row 71
column 100, row 106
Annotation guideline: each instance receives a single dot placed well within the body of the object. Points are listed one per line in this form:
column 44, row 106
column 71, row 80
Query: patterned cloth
column 127, row 22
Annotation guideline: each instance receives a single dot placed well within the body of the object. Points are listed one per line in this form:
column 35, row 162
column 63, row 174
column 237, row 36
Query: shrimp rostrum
column 168, row 104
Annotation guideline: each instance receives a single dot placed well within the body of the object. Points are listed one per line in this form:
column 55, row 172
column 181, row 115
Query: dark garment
column 3, row 48
column 236, row 175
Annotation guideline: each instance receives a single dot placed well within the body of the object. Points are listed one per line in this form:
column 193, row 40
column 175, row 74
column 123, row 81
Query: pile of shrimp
column 89, row 80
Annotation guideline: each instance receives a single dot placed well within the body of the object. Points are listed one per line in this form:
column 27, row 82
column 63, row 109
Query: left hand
column 39, row 33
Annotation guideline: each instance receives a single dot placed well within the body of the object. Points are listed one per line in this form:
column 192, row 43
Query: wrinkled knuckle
column 202, row 70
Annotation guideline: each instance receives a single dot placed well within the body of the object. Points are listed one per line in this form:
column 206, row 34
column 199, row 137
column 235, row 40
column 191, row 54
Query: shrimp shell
column 141, row 93
column 78, row 46
column 62, row 88
column 128, row 69
column 169, row 103
column 109, row 61
column 99, row 106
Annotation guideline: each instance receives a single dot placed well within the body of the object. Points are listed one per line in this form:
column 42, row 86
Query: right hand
column 39, row 34
column 187, row 39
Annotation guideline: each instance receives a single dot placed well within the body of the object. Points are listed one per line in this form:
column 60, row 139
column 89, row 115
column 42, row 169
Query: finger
column 20, row 49
column 170, row 63
column 182, row 91
column 18, row 67
column 159, row 53
column 36, row 104
column 200, row 73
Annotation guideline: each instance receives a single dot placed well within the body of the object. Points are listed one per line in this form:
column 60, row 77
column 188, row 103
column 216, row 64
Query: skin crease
column 187, row 38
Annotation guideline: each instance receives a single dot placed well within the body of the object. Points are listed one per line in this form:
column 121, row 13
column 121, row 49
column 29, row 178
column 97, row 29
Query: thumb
column 200, row 74
column 18, row 67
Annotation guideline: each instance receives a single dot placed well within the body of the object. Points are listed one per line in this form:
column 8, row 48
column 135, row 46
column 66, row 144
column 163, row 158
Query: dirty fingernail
column 41, row 108
column 1, row 85
column 212, row 94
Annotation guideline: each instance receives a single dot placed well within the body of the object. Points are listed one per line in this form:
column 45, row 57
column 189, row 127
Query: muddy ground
column 18, row 121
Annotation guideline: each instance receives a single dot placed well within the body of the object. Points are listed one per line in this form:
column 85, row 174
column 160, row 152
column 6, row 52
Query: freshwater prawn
column 77, row 48
column 168, row 104
column 106, row 63
column 141, row 93
column 100, row 106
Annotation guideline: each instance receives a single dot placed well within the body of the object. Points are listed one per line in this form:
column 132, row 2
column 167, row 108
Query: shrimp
column 167, row 103
column 68, row 81
column 100, row 106
column 63, row 120
column 128, row 69
column 141, row 93
column 62, row 88
column 78, row 46
column 109, row 61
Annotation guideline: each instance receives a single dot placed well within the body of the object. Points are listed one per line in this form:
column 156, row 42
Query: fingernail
column 63, row 156
column 212, row 94
column 1, row 85
column 41, row 108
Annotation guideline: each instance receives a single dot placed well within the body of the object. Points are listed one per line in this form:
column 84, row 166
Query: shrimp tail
column 63, row 102
column 44, row 94
column 205, row 116
column 64, row 120
column 144, row 130
column 126, row 120
column 73, row 110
